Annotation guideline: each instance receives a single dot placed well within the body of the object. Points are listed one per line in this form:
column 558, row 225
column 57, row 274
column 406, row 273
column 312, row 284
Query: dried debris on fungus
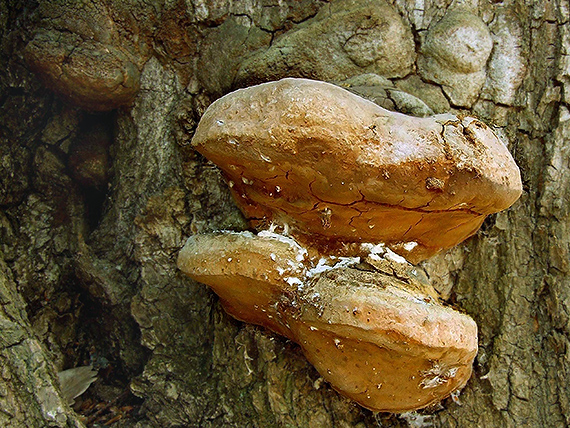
column 354, row 189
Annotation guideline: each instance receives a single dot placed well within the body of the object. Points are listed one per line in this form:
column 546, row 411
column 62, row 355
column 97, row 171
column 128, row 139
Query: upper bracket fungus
column 350, row 184
column 339, row 169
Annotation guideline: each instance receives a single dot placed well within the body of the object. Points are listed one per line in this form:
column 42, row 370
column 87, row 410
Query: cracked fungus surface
column 338, row 168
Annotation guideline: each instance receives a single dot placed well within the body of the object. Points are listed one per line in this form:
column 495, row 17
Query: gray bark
column 99, row 189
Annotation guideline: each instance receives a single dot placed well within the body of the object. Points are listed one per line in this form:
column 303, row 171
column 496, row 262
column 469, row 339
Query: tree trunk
column 99, row 188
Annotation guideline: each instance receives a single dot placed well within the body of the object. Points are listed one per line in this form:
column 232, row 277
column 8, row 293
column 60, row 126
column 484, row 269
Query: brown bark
column 99, row 189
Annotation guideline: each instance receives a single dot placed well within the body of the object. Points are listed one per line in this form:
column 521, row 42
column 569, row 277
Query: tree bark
column 99, row 188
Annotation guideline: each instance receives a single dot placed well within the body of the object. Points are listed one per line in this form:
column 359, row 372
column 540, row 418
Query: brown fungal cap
column 382, row 341
column 337, row 168
column 248, row 272
column 382, row 344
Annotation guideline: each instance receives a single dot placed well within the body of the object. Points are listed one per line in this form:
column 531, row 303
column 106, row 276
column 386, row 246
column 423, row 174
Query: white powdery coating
column 319, row 268
column 373, row 248
column 390, row 255
column 269, row 234
column 346, row 261
column 375, row 257
column 301, row 252
column 293, row 281
column 322, row 265
column 378, row 252
column 303, row 269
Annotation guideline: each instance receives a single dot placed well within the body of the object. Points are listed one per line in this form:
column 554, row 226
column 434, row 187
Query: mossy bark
column 96, row 200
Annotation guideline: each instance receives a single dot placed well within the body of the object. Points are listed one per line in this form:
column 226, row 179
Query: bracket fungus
column 338, row 168
column 357, row 191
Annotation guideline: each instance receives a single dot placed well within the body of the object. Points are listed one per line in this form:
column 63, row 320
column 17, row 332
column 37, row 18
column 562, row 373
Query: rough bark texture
column 99, row 189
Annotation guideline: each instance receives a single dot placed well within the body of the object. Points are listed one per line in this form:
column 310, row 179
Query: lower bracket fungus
column 355, row 189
